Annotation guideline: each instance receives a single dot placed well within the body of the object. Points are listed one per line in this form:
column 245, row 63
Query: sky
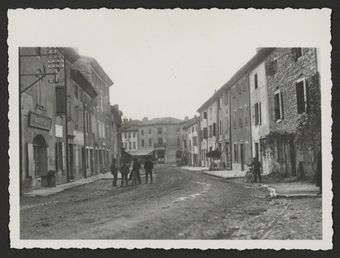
column 166, row 63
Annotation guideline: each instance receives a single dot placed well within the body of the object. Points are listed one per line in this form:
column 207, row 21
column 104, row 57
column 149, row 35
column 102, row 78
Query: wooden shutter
column 60, row 100
column 300, row 95
column 30, row 160
column 282, row 110
column 56, row 157
column 260, row 115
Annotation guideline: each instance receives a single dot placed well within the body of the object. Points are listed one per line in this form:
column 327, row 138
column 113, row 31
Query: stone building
column 130, row 135
column 49, row 145
column 294, row 111
column 158, row 138
column 209, row 118
column 191, row 139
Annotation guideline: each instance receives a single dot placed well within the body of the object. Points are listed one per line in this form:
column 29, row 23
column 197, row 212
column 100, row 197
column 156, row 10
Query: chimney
column 145, row 119
column 186, row 118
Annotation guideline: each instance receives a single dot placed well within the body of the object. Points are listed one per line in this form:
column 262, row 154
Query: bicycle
column 249, row 176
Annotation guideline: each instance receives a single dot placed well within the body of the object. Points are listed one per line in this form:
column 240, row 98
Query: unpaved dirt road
column 178, row 205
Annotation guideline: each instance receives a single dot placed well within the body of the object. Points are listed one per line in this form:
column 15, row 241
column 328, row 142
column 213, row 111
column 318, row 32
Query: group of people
column 133, row 174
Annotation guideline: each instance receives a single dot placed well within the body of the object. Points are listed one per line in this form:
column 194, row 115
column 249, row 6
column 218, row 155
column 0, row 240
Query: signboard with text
column 38, row 121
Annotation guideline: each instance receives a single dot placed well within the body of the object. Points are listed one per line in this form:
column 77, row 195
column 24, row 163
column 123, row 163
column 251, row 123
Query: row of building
column 157, row 138
column 269, row 109
column 67, row 125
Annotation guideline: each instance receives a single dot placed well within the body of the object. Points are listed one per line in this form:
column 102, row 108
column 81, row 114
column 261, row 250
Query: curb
column 273, row 194
column 233, row 177
column 61, row 189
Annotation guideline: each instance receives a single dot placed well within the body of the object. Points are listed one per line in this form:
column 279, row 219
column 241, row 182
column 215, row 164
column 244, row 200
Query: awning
column 144, row 152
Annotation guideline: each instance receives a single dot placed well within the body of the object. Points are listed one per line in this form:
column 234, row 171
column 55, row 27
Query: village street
column 179, row 205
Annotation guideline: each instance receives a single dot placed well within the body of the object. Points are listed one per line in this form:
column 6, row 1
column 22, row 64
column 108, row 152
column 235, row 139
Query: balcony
column 160, row 146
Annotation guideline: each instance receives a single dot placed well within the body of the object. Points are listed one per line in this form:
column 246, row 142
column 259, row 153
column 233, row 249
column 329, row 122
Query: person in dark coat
column 319, row 173
column 148, row 166
column 135, row 170
column 114, row 172
column 257, row 166
column 124, row 171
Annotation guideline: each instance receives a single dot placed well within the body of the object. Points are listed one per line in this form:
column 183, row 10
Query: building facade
column 294, row 101
column 116, row 133
column 209, row 118
column 259, row 113
column 53, row 122
column 158, row 138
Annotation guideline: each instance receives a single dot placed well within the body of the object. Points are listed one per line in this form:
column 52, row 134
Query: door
column 242, row 156
column 71, row 163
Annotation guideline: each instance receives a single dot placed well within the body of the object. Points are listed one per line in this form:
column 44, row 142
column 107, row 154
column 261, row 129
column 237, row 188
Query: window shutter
column 56, row 157
column 30, row 160
column 260, row 115
column 282, row 113
column 63, row 155
column 253, row 114
column 60, row 99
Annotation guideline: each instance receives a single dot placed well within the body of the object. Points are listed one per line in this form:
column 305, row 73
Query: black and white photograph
column 170, row 128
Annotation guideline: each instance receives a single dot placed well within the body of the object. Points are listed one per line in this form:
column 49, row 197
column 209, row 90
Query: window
column 239, row 87
column 142, row 132
column 149, row 130
column 235, row 152
column 178, row 141
column 205, row 115
column 257, row 111
column 205, row 133
column 220, row 126
column 60, row 99
column 240, row 117
column 210, row 112
column 134, row 134
column 244, row 85
column 76, row 117
column 76, row 92
column 160, row 130
column 234, row 120
column 210, row 130
column 301, row 96
column 219, row 103
column 142, row 142
column 245, row 115
column 59, row 155
column 297, row 52
column 40, row 90
column 160, row 140
column 272, row 67
column 150, row 142
column 134, row 145
column 194, row 141
column 214, row 129
column 278, row 106
column 129, row 135
column 256, row 81
column 257, row 150
column 129, row 145
column 192, row 129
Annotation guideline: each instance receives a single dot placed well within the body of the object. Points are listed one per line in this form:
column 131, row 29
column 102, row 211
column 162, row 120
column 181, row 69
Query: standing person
column 148, row 166
column 124, row 171
column 114, row 172
column 135, row 169
column 257, row 169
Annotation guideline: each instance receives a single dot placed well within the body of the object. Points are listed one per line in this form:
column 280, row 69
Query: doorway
column 242, row 155
column 70, row 160
column 40, row 155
